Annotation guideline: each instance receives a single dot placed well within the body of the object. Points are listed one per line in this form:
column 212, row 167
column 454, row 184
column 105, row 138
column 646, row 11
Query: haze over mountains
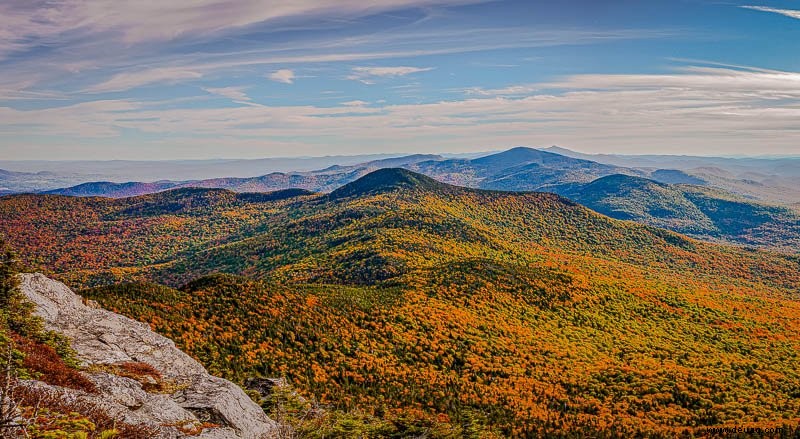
column 695, row 201
column 38, row 175
column 774, row 179
column 767, row 178
column 516, row 169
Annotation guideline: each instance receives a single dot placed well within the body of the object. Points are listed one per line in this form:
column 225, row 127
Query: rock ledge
column 104, row 339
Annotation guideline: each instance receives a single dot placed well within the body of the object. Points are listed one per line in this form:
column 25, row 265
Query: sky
column 196, row 79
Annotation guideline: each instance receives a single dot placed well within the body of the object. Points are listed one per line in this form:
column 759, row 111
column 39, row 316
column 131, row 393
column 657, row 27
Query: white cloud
column 754, row 82
column 84, row 120
column 793, row 13
column 367, row 75
column 285, row 76
column 235, row 94
column 355, row 103
column 24, row 22
column 695, row 110
column 513, row 90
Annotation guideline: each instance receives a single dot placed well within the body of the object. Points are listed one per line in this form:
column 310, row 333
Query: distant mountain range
column 518, row 169
column 25, row 176
column 701, row 205
column 775, row 180
column 12, row 182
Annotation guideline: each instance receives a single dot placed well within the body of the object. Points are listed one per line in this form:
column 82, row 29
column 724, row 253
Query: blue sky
column 104, row 79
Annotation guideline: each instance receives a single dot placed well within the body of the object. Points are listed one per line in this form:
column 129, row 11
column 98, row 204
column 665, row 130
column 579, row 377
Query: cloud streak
column 696, row 107
column 73, row 72
column 128, row 80
column 113, row 67
column 513, row 90
column 235, row 94
column 28, row 22
column 368, row 75
column 792, row 13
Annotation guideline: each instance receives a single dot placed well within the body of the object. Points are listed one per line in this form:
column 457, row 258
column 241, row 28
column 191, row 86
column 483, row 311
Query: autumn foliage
column 444, row 311
column 44, row 363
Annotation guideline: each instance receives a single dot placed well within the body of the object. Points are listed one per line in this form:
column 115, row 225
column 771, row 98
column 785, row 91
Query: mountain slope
column 433, row 306
column 536, row 351
column 770, row 180
column 639, row 199
column 518, row 169
column 698, row 211
column 674, row 176
column 193, row 231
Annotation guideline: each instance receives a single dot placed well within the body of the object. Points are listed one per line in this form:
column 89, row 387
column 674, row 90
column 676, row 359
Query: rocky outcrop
column 186, row 396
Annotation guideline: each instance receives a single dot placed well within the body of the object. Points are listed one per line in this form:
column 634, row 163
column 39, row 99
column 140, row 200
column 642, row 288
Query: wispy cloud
column 236, row 94
column 513, row 90
column 128, row 80
column 793, row 13
column 742, row 81
column 26, row 23
column 356, row 103
column 57, row 55
column 110, row 65
column 285, row 76
column 87, row 40
column 716, row 109
column 368, row 75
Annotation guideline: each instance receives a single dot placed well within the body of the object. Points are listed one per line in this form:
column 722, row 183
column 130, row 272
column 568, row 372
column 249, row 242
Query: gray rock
column 101, row 337
column 127, row 392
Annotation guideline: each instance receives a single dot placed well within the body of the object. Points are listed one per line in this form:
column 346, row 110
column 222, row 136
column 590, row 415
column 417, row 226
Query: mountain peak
column 555, row 149
column 386, row 180
column 514, row 156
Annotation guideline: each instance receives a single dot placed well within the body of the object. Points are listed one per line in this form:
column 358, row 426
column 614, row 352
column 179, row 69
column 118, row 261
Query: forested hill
column 665, row 198
column 701, row 212
column 433, row 308
column 388, row 180
column 386, row 223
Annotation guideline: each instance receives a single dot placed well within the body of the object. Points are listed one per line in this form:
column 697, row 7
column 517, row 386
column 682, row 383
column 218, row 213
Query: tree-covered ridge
column 369, row 235
column 702, row 212
column 81, row 236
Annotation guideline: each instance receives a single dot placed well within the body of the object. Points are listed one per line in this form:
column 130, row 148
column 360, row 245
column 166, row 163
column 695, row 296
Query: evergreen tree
column 16, row 312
